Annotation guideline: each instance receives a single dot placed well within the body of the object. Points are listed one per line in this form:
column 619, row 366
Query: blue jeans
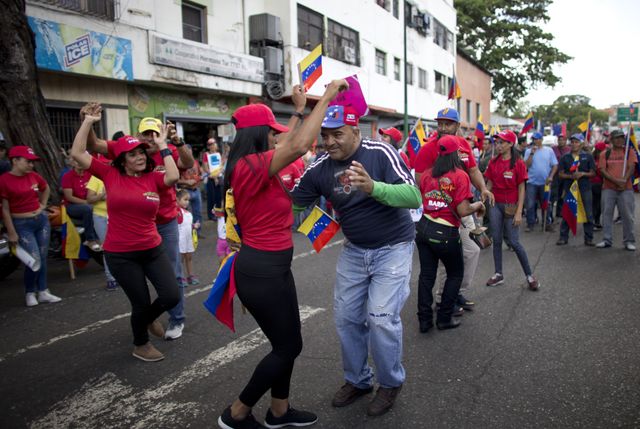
column 214, row 197
column 100, row 224
column 587, row 201
column 169, row 234
column 372, row 286
column 534, row 194
column 83, row 212
column 34, row 236
column 503, row 226
column 195, row 199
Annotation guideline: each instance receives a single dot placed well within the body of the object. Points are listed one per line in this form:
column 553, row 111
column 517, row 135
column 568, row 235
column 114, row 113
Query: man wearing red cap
column 371, row 189
column 393, row 136
column 449, row 124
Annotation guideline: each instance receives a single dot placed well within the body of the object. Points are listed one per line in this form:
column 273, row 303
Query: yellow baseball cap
column 149, row 124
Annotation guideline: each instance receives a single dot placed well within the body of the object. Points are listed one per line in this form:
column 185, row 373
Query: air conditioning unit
column 273, row 59
column 349, row 54
column 420, row 23
column 264, row 27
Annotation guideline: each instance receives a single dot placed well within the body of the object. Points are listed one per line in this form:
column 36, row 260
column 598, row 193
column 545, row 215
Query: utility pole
column 406, row 100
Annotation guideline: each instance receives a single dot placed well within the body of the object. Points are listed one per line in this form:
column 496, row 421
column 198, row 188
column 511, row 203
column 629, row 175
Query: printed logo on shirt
column 152, row 196
column 34, row 187
column 446, row 185
column 343, row 183
column 464, row 157
column 508, row 175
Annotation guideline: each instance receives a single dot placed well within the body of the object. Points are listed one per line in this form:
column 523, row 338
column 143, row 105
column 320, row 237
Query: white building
column 196, row 61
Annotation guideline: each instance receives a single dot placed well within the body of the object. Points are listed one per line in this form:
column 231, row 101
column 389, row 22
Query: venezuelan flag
column 416, row 139
column 585, row 127
column 479, row 128
column 546, row 197
column 454, row 88
column 72, row 248
column 319, row 227
column 220, row 299
column 528, row 123
column 310, row 68
column 573, row 208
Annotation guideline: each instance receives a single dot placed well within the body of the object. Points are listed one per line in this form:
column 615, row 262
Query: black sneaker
column 292, row 417
column 225, row 421
column 467, row 305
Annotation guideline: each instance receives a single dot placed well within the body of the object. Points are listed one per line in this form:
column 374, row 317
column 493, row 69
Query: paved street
column 566, row 356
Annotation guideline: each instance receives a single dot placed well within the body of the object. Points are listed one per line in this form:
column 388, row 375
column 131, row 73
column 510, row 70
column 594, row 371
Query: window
column 469, row 120
column 441, row 84
column 310, row 28
column 193, row 22
column 422, row 78
column 381, row 62
column 396, row 8
column 65, row 122
column 442, row 37
column 343, row 44
column 100, row 8
column 383, row 4
column 409, row 74
column 396, row 68
column 408, row 14
column 478, row 113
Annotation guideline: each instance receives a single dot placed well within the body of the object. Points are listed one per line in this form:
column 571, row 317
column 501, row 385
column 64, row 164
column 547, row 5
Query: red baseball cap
column 448, row 144
column 127, row 144
column 255, row 115
column 392, row 132
column 508, row 136
column 23, row 152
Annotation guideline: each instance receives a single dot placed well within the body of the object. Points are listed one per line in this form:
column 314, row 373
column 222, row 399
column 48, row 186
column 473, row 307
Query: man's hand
column 488, row 195
column 161, row 139
column 299, row 98
column 359, row 177
column 335, row 87
column 172, row 133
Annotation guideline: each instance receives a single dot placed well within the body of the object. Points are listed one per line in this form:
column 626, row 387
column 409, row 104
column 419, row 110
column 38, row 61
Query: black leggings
column 131, row 270
column 265, row 286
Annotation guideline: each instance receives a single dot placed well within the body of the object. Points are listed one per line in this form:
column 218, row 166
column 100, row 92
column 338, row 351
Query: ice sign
column 77, row 50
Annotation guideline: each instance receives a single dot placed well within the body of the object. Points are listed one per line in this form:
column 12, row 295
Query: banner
column 70, row 49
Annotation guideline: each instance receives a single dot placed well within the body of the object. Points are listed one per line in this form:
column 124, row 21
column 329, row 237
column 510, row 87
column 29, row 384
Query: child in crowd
column 222, row 247
column 185, row 230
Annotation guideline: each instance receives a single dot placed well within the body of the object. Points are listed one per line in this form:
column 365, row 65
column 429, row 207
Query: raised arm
column 171, row 173
column 79, row 149
column 296, row 143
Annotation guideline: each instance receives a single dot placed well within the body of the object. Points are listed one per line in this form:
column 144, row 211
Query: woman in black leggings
column 263, row 277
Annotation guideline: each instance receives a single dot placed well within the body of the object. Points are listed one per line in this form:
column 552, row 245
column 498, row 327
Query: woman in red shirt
column 74, row 189
column 133, row 247
column 446, row 197
column 24, row 196
column 262, row 269
column 506, row 176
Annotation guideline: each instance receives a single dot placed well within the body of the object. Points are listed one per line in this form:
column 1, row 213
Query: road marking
column 108, row 402
column 96, row 325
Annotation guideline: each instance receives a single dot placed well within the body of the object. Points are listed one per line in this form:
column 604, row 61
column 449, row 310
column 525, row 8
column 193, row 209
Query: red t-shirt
column 428, row 154
column 263, row 207
column 77, row 183
column 405, row 158
column 448, row 190
column 615, row 164
column 168, row 206
column 292, row 173
column 505, row 180
column 22, row 191
column 132, row 208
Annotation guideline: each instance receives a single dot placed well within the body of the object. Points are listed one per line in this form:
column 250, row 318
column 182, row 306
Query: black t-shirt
column 365, row 222
column 585, row 164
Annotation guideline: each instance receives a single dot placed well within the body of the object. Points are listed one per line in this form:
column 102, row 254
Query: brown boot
column 156, row 329
column 348, row 394
column 147, row 353
column 383, row 401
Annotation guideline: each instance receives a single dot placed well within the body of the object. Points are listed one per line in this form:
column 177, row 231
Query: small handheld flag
column 416, row 139
column 573, row 208
column 479, row 132
column 528, row 124
column 310, row 68
column 454, row 88
column 319, row 227
column 546, row 197
column 585, row 127
column 72, row 248
column 220, row 299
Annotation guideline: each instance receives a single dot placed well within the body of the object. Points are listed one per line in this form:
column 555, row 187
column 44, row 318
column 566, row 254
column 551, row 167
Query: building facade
column 196, row 61
column 475, row 87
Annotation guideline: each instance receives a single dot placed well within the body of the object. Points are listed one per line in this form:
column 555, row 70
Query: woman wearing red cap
column 262, row 270
column 133, row 247
column 24, row 196
column 506, row 177
column 446, row 197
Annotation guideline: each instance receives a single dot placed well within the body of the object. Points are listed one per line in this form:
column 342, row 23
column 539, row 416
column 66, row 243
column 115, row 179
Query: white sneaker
column 630, row 246
column 174, row 332
column 46, row 296
column 31, row 299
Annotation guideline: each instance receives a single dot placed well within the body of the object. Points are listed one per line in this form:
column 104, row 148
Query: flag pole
column 626, row 147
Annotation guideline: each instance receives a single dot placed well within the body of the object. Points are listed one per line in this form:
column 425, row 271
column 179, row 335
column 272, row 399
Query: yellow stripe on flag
column 309, row 59
column 420, row 132
column 582, row 215
column 72, row 241
column 310, row 221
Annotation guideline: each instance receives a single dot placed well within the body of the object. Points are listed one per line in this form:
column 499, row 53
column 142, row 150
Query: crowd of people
column 139, row 200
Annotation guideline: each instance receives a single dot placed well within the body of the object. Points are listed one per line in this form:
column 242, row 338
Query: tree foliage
column 505, row 37
column 572, row 109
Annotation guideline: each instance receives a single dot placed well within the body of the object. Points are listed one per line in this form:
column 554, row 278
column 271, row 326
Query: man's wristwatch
column 179, row 144
column 299, row 115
